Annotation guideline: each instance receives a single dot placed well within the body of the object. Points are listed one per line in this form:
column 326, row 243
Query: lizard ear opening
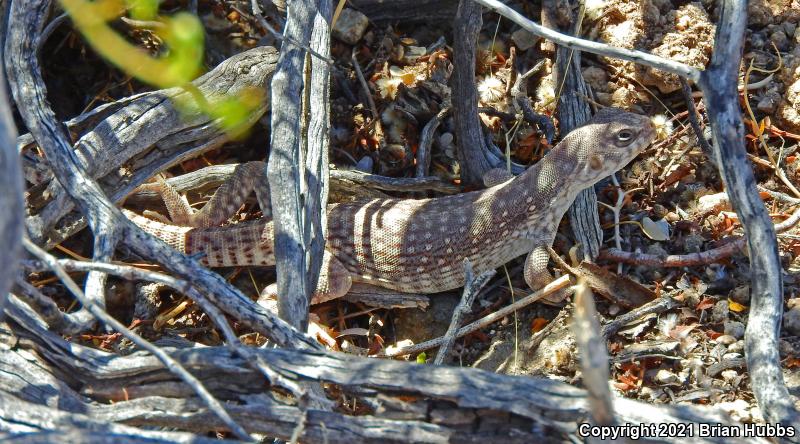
column 595, row 162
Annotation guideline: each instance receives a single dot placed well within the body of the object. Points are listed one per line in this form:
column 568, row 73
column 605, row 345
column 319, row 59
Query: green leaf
column 143, row 9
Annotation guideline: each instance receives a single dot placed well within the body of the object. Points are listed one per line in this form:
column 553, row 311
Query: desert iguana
column 418, row 246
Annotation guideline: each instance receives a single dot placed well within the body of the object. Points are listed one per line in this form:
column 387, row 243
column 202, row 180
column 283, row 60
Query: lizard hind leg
column 334, row 282
column 537, row 275
column 246, row 178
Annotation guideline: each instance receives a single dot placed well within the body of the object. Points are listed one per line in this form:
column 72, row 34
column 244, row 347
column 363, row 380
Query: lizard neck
column 538, row 198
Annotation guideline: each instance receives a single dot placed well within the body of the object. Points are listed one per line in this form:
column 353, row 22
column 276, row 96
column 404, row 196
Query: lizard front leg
column 537, row 275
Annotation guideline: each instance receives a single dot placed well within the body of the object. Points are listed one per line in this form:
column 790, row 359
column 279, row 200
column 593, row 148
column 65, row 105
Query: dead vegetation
column 689, row 287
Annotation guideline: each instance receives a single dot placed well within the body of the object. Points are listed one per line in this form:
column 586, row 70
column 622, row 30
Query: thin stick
column 471, row 289
column 364, row 86
column 692, row 259
column 173, row 366
column 552, row 287
column 693, row 120
column 594, row 356
column 590, row 46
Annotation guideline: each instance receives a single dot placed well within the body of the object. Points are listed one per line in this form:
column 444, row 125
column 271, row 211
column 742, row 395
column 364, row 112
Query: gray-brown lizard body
column 420, row 245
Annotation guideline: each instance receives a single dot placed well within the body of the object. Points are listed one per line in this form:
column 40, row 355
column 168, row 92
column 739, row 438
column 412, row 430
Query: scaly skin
column 419, row 245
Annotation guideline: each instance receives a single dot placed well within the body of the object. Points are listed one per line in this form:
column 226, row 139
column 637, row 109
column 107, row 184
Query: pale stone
column 351, row 26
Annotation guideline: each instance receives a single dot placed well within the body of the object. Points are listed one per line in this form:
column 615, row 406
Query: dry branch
column 11, row 200
column 298, row 162
column 425, row 395
column 472, row 144
column 26, row 20
column 719, row 86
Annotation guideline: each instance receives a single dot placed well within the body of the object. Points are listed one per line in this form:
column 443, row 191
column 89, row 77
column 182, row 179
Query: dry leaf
column 658, row 231
column 353, row 331
column 705, row 304
column 736, row 307
column 681, row 331
column 538, row 324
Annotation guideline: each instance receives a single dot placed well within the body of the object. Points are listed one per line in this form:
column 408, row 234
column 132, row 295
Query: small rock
column 791, row 321
column 365, row 164
column 665, row 377
column 785, row 348
column 523, row 39
column 647, row 393
column 351, row 26
column 595, row 76
column 726, row 340
column 731, row 356
column 412, row 53
column 780, row 40
column 603, row 98
column 719, row 313
column 720, row 284
column 769, row 103
column 713, row 202
column 736, row 347
column 660, row 211
column 789, row 28
column 740, row 295
column 729, row 375
column 738, row 409
column 657, row 250
column 757, row 40
column 693, row 243
column 735, row 329
column 623, row 98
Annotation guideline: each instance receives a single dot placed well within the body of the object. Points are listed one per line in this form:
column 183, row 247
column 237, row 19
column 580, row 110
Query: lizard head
column 610, row 140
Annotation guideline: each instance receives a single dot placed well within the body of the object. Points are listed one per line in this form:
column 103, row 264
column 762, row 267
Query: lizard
column 419, row 245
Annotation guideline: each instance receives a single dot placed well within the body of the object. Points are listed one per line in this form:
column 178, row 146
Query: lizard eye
column 625, row 136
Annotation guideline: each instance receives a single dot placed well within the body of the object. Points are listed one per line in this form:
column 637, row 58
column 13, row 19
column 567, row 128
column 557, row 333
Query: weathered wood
column 298, row 162
column 412, row 396
column 11, row 201
column 574, row 111
column 24, row 422
column 25, row 24
column 406, row 11
column 719, row 83
column 152, row 131
column 472, row 151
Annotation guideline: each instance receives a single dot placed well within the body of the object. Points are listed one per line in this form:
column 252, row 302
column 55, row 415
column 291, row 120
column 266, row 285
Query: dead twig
column 554, row 286
column 174, row 367
column 471, row 289
column 593, row 356
column 692, row 259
